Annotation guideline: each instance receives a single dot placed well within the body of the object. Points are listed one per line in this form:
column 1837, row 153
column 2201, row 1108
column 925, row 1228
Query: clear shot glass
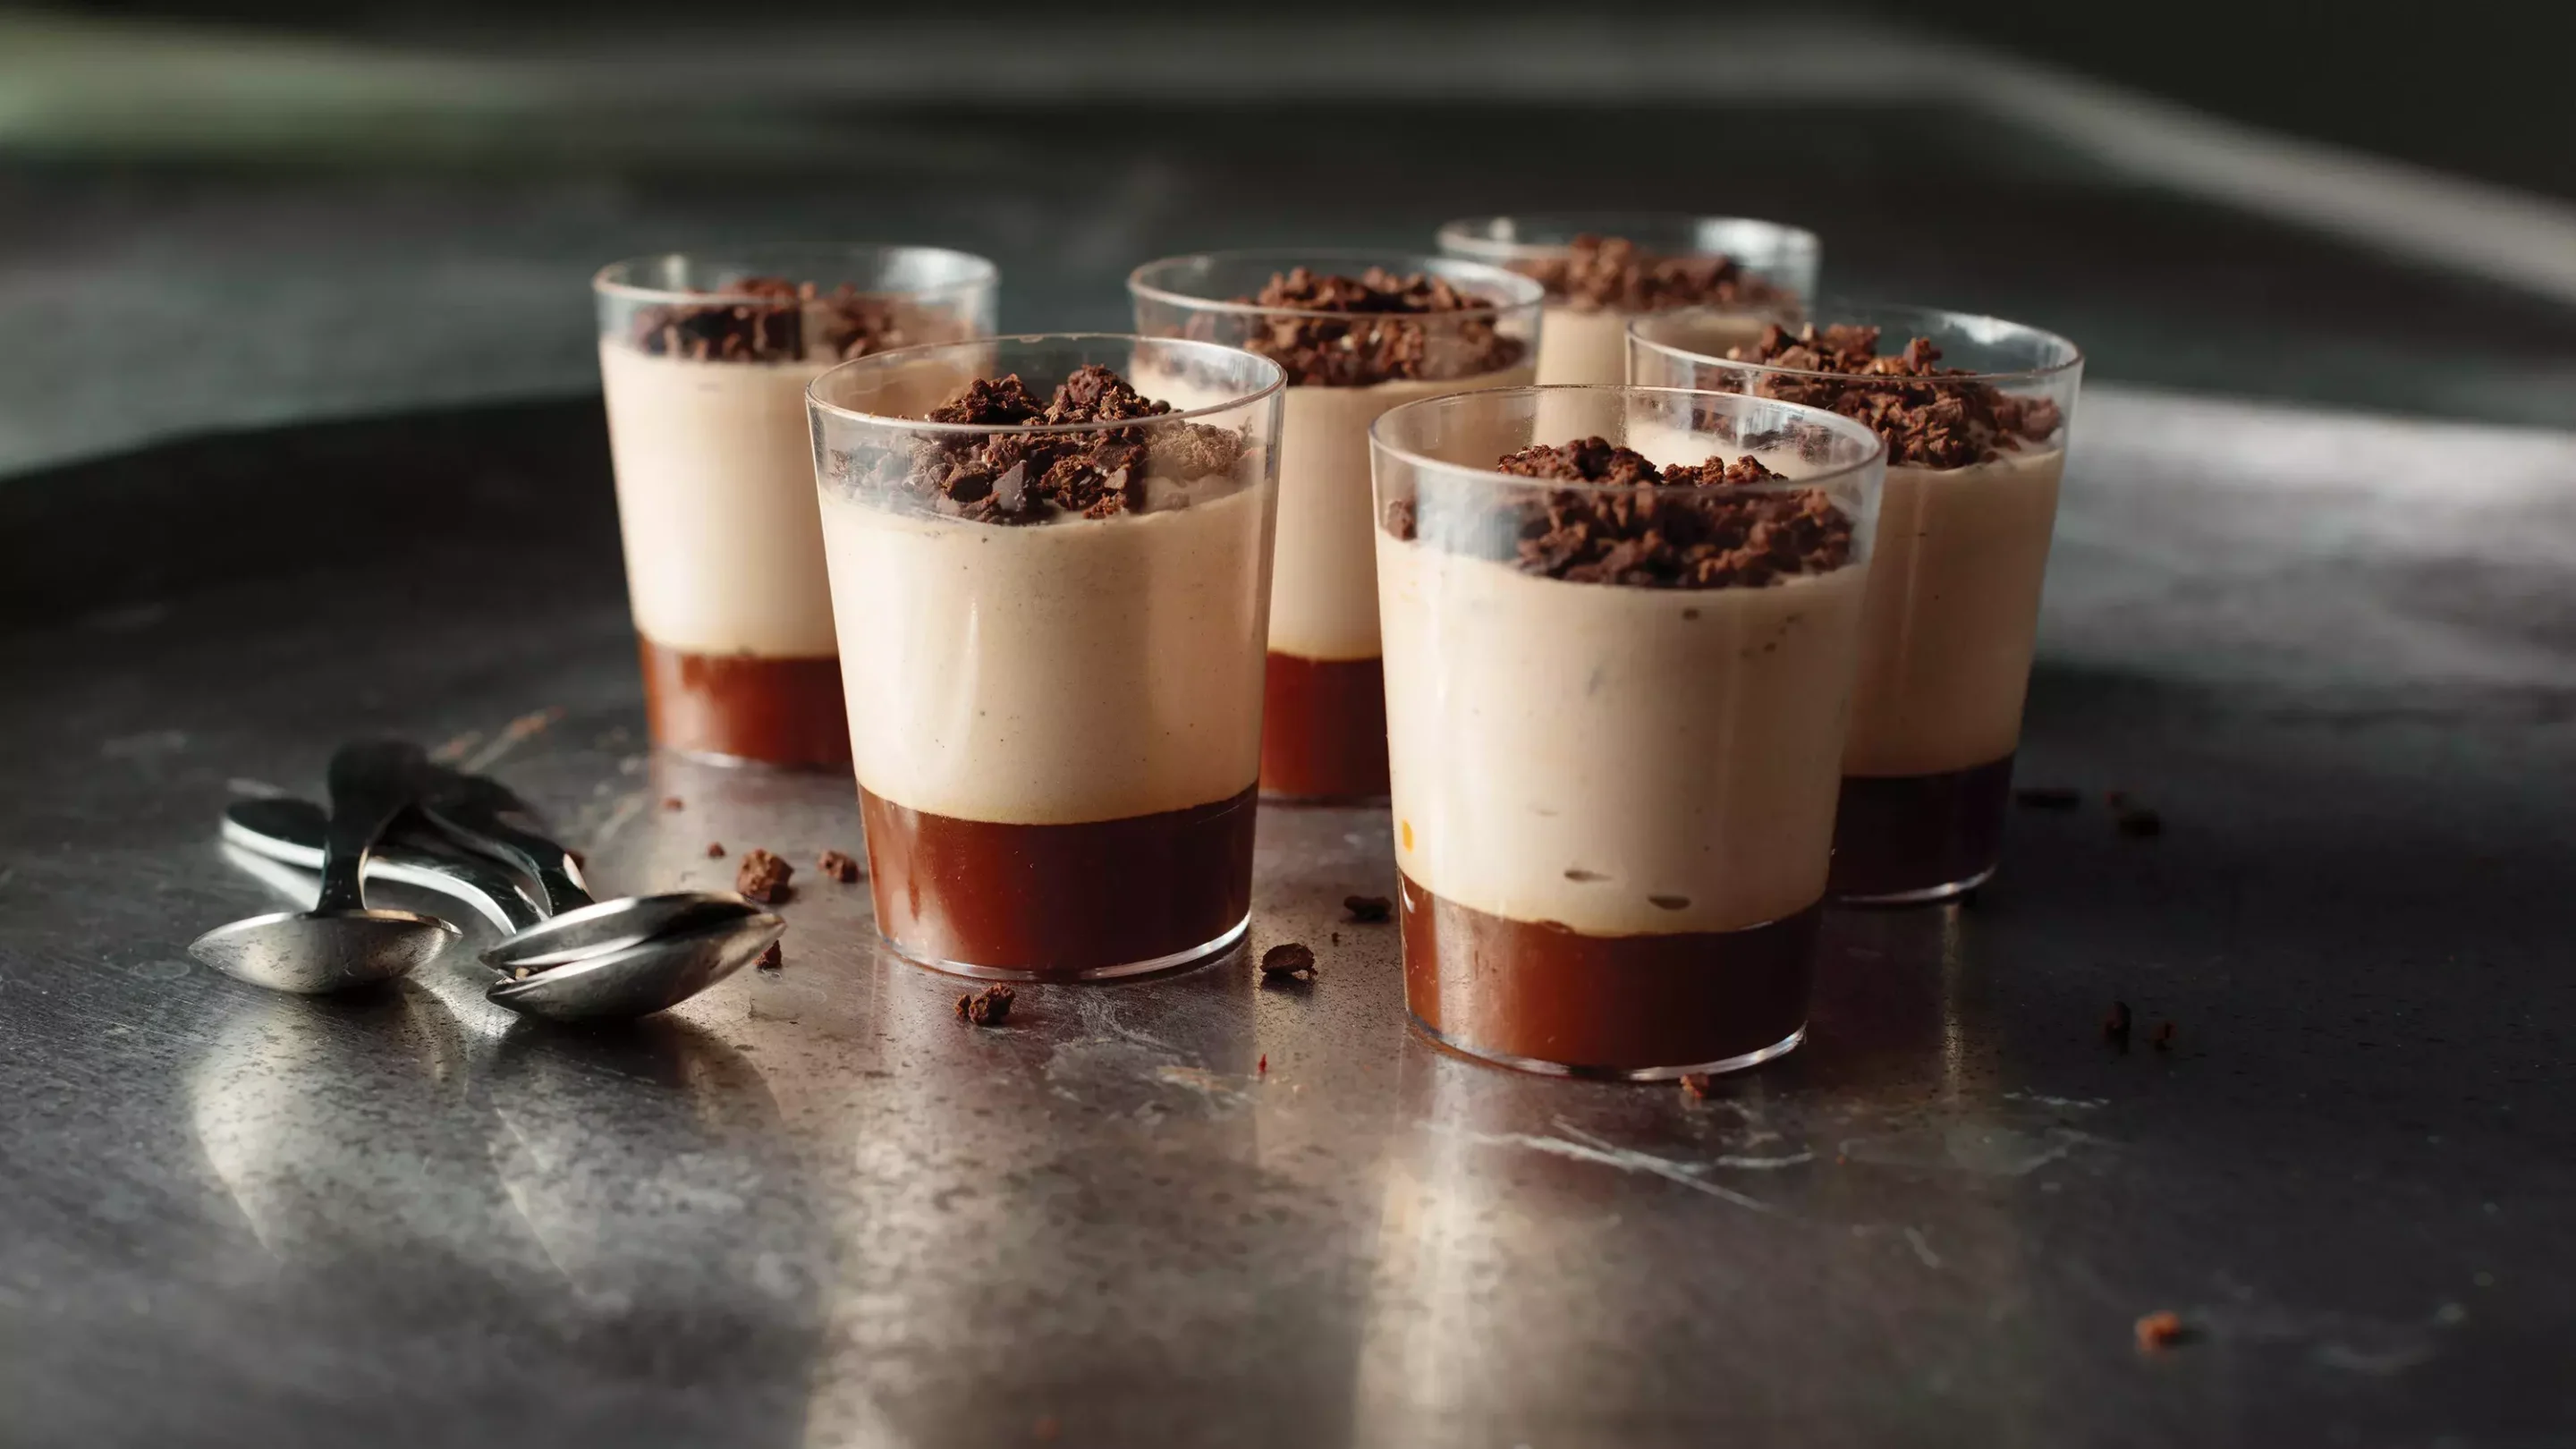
column 1616, row 713
column 1975, row 456
column 1325, row 741
column 1052, row 637
column 704, row 360
column 1603, row 270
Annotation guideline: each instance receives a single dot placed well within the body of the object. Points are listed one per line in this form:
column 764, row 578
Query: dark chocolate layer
column 1897, row 835
column 775, row 711
column 1323, row 728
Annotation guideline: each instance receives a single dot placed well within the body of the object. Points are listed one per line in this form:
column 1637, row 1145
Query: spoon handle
column 372, row 781
column 482, row 814
column 289, row 831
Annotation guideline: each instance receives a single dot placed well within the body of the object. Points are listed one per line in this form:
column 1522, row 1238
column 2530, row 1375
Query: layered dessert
column 1353, row 347
column 1057, row 636
column 1953, row 608
column 1596, row 284
column 715, row 501
column 1617, row 713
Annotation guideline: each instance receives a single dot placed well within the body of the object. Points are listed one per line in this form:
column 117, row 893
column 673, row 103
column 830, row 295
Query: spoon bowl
column 615, row 925
column 314, row 953
column 644, row 977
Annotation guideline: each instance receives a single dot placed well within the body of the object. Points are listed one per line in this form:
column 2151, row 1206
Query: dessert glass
column 1953, row 610
column 1613, row 803
column 704, row 367
column 1056, row 722
column 1324, row 740
column 1587, row 340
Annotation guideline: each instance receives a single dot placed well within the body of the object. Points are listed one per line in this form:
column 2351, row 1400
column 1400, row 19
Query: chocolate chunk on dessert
column 1929, row 419
column 1286, row 961
column 1358, row 331
column 762, row 877
column 1016, row 478
column 988, row 1007
column 838, row 865
column 1612, row 273
column 1691, row 526
column 1369, row 910
column 771, row 319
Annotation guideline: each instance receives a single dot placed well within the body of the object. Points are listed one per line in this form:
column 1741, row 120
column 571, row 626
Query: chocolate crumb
column 2138, row 822
column 2115, row 1025
column 1685, row 527
column 1287, row 960
column 988, row 1007
column 776, row 320
column 1375, row 334
column 1261, row 1068
column 772, row 959
column 1699, row 1085
column 1369, row 910
column 1598, row 272
column 1929, row 419
column 2163, row 1038
column 838, row 865
column 2161, row 1330
column 1020, row 478
column 762, row 877
column 670, row 802
column 2048, row 797
column 715, row 850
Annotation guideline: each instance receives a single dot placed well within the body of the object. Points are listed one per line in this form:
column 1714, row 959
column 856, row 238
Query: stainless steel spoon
column 644, row 978
column 290, row 831
column 340, row 944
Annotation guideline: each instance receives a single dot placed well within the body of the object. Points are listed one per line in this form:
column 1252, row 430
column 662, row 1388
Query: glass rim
column 1813, row 313
column 979, row 271
column 1466, row 233
column 814, row 400
column 1831, row 421
column 1530, row 294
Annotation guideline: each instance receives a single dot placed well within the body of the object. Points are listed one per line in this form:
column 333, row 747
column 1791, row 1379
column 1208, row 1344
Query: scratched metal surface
column 813, row 1208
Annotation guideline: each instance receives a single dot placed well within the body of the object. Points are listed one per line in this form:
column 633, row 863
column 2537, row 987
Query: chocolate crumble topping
column 1376, row 335
column 988, row 1007
column 762, row 877
column 772, row 325
column 1009, row 478
column 838, row 865
column 1684, row 527
column 1612, row 272
column 1928, row 419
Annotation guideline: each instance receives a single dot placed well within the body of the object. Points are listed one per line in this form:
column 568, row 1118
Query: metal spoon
column 339, row 944
column 484, row 815
column 290, row 832
column 644, row 978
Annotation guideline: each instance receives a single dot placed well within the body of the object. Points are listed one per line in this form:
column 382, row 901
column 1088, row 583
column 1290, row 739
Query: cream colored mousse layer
column 1953, row 613
column 1590, row 344
column 1621, row 761
column 1323, row 591
column 1055, row 673
column 715, row 502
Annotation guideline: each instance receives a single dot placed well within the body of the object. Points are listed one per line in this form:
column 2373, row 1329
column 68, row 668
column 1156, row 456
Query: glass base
column 1175, row 962
column 1741, row 1062
column 1328, row 802
column 1926, row 896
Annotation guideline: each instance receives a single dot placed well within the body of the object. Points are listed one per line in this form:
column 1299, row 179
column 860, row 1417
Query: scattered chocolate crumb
column 2115, row 1025
column 1369, row 910
column 2048, row 797
column 1598, row 272
column 838, row 865
column 1289, row 959
column 1699, row 1085
column 1261, row 1068
column 1374, row 333
column 2161, row 1330
column 2138, row 822
column 2163, row 1037
column 762, row 877
column 715, row 850
column 988, row 1007
column 1018, row 477
column 1929, row 419
column 1685, row 527
column 772, row 959
column 775, row 320
column 670, row 802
